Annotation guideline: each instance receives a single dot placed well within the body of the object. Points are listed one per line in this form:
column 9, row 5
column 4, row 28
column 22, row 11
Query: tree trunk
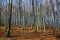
column 9, row 21
column 54, row 20
column 0, row 15
column 33, row 13
column 0, row 10
column 20, row 11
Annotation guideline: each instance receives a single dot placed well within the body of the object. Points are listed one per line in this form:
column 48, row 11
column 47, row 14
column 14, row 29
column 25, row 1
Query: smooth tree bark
column 9, row 19
column 20, row 11
column 58, row 11
column 33, row 15
column 37, row 15
column 0, row 10
column 54, row 20
column 24, row 19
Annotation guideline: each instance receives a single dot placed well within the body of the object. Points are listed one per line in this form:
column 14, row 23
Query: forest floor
column 17, row 33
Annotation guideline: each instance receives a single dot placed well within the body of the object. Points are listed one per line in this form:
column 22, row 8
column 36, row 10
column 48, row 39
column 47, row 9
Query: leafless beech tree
column 9, row 20
column 0, row 9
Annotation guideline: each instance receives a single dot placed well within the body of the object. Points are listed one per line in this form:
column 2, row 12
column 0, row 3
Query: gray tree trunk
column 54, row 20
column 20, row 11
column 33, row 13
column 0, row 10
column 9, row 20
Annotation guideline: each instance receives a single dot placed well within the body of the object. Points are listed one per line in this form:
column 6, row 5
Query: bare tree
column 0, row 9
column 20, row 11
column 58, row 12
column 9, row 20
column 34, row 13
column 41, row 15
column 54, row 20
